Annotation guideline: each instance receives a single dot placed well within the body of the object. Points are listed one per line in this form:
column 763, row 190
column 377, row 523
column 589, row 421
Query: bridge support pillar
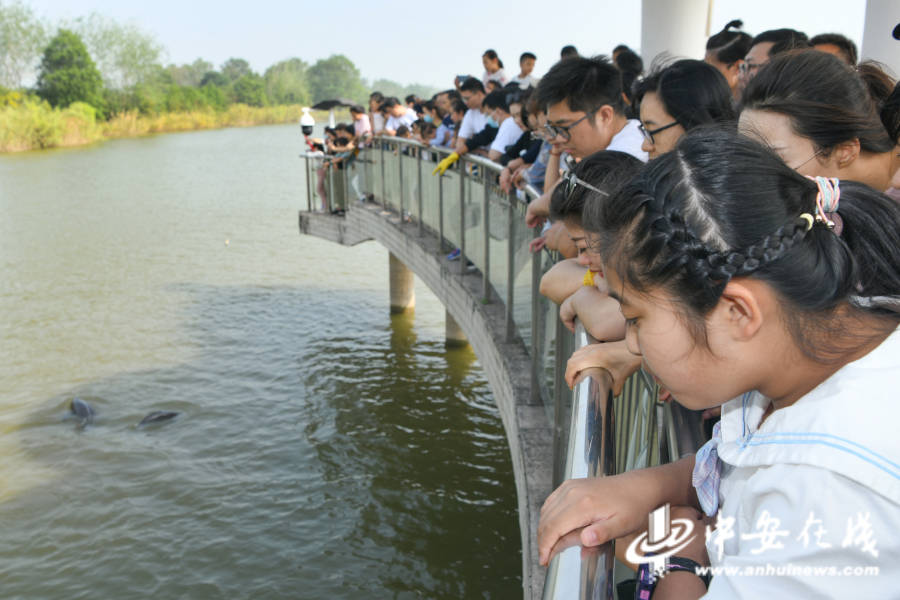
column 454, row 336
column 403, row 294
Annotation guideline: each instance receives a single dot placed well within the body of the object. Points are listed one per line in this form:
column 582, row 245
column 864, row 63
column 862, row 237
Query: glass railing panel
column 474, row 217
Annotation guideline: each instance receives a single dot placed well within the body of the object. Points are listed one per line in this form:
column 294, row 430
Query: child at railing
column 740, row 278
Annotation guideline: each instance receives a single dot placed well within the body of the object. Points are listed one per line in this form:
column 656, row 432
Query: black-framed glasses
column 563, row 130
column 748, row 67
column 649, row 133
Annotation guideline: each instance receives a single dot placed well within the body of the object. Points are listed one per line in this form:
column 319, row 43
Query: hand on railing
column 445, row 164
column 613, row 358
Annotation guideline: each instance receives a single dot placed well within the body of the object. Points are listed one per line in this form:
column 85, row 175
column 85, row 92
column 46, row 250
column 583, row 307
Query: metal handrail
column 577, row 572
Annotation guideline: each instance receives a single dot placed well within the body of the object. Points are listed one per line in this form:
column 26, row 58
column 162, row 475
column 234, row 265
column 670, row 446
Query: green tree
column 334, row 77
column 67, row 73
column 22, row 39
column 190, row 75
column 235, row 68
column 214, row 78
column 124, row 54
column 250, row 89
column 286, row 82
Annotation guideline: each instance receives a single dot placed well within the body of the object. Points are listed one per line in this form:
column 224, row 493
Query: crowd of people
column 730, row 225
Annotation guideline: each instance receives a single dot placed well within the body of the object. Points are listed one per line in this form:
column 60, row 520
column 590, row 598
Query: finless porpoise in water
column 158, row 416
column 82, row 410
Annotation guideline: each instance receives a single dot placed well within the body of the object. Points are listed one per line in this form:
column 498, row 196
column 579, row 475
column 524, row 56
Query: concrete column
column 878, row 43
column 454, row 337
column 403, row 294
column 677, row 27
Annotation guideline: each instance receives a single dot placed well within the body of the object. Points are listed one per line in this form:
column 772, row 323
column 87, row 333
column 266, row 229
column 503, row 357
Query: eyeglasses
column 649, row 133
column 797, row 168
column 748, row 67
column 572, row 181
column 563, row 130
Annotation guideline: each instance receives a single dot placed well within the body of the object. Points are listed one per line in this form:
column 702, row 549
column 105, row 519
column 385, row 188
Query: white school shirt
column 629, row 140
column 507, row 135
column 827, row 468
column 473, row 122
column 408, row 118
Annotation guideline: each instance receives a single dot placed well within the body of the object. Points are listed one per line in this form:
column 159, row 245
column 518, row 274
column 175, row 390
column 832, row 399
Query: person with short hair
column 837, row 44
column 525, row 79
column 361, row 126
column 508, row 132
column 726, row 51
column 766, row 45
column 397, row 114
column 568, row 52
column 585, row 108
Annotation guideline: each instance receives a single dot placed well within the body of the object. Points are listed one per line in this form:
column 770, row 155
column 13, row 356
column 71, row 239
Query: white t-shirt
column 507, row 135
column 815, row 487
column 377, row 122
column 527, row 81
column 473, row 122
column 408, row 118
column 629, row 140
column 499, row 76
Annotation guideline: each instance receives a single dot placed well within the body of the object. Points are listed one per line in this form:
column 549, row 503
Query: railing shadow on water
column 595, row 434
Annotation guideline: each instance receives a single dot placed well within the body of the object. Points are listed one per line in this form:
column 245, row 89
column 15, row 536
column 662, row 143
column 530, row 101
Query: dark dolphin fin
column 158, row 416
column 82, row 410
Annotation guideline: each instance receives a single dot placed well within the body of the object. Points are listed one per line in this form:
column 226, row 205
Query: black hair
column 402, row 131
column 843, row 43
column 472, row 84
column 606, row 170
column 496, row 100
column 357, row 109
column 426, row 128
column 690, row 222
column 890, row 114
column 782, row 39
column 389, row 103
column 568, row 52
column 585, row 84
column 693, row 92
column 824, row 98
column 458, row 106
column 377, row 97
column 631, row 66
column 730, row 45
column 621, row 48
column 877, row 81
column 492, row 54
column 527, row 55
column 411, row 99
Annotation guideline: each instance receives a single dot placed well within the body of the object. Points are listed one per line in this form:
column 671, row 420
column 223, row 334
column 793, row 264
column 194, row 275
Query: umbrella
column 330, row 104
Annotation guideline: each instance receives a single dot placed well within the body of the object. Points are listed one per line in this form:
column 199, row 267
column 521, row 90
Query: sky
column 409, row 43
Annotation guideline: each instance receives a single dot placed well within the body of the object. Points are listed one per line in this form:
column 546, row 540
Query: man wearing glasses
column 766, row 45
column 585, row 111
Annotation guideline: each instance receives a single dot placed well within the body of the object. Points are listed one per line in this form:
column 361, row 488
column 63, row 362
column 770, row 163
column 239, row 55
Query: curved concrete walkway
column 506, row 363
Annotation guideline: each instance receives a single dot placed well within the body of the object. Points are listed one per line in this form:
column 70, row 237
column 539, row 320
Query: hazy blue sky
column 413, row 42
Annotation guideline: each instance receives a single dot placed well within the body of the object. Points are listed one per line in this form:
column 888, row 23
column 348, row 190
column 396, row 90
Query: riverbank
column 32, row 125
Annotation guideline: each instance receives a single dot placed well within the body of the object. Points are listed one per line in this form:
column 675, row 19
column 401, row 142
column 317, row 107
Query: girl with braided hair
column 742, row 279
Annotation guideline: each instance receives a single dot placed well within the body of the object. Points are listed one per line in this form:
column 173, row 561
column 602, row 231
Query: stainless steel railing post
column 419, row 187
column 441, row 212
column 383, row 192
column 535, row 322
column 308, row 188
column 486, row 274
column 510, row 267
column 400, row 174
column 462, row 217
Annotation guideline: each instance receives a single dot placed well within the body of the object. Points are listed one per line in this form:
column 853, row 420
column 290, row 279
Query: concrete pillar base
column 454, row 336
column 403, row 293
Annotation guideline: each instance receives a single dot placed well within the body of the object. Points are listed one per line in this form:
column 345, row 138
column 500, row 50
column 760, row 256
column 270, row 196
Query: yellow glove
column 445, row 164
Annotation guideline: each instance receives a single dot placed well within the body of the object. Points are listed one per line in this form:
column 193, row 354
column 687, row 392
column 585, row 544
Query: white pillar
column 677, row 27
column 403, row 292
column 878, row 43
column 455, row 337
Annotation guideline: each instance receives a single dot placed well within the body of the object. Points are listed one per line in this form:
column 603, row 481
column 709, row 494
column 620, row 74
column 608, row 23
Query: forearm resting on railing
column 600, row 509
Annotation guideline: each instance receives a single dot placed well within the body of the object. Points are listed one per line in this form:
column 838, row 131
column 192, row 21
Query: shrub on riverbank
column 30, row 124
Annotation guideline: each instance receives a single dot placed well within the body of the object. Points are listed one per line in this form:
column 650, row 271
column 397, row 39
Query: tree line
column 117, row 68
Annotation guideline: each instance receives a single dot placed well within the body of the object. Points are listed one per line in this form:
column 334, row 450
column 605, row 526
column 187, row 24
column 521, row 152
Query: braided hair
column 722, row 206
